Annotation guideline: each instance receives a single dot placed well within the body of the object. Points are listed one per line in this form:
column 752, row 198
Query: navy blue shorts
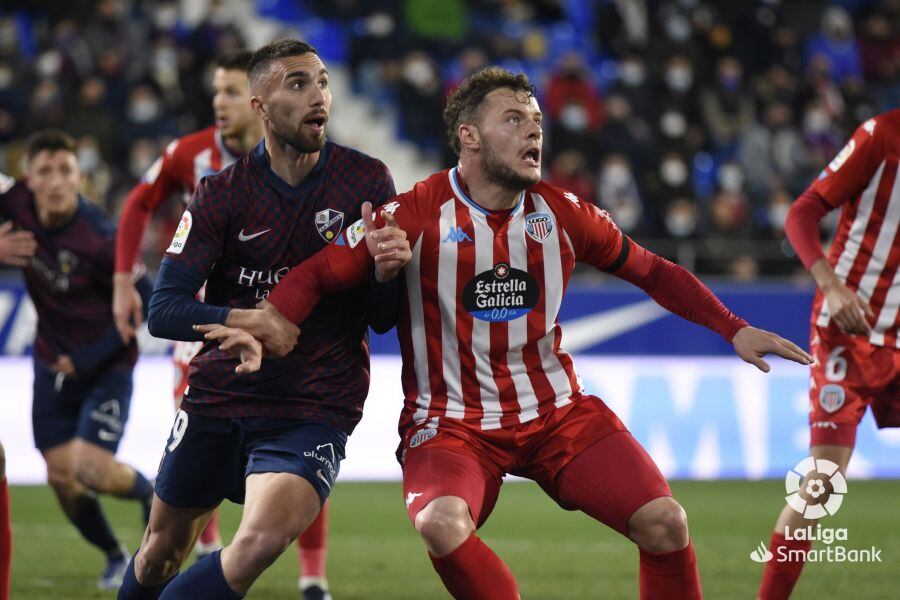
column 207, row 459
column 94, row 409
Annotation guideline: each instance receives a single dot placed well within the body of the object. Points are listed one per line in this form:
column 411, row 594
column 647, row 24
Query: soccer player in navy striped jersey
column 273, row 439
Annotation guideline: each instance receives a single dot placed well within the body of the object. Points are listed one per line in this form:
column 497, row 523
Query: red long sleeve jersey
column 185, row 161
column 865, row 254
column 478, row 325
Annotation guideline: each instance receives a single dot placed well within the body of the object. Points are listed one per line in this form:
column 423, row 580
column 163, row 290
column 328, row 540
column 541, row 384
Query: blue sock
column 87, row 516
column 142, row 490
column 205, row 579
column 132, row 590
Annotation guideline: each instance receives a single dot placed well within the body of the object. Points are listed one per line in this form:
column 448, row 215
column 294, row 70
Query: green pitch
column 375, row 554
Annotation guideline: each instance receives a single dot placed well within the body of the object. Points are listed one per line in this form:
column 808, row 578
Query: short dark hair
column 263, row 57
column 49, row 139
column 463, row 104
column 234, row 60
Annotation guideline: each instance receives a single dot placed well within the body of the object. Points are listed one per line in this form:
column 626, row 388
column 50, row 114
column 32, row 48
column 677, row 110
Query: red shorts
column 612, row 478
column 850, row 373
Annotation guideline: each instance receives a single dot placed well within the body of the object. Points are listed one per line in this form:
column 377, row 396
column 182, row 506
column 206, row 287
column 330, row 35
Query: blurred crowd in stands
column 694, row 122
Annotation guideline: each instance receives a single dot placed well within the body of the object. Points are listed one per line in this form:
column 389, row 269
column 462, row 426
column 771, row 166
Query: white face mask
column 143, row 111
column 673, row 124
column 616, row 175
column 778, row 214
column 679, row 78
column 674, row 172
column 574, row 117
column 816, row 121
column 418, row 73
column 731, row 178
column 88, row 159
column 6, row 77
column 681, row 223
column 632, row 73
column 627, row 215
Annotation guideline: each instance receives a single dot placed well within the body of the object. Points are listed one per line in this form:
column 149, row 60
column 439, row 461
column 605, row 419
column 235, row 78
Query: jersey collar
column 261, row 159
column 460, row 193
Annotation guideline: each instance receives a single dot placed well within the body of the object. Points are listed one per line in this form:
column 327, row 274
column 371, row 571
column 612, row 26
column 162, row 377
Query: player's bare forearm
column 824, row 275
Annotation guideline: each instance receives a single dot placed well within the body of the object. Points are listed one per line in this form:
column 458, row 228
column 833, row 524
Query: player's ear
column 259, row 108
column 469, row 136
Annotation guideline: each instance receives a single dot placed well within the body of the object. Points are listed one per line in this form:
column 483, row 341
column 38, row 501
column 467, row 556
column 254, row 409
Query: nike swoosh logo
column 321, row 476
column 247, row 238
column 585, row 332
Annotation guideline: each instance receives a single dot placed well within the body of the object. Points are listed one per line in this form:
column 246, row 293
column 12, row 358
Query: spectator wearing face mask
column 836, row 44
column 574, row 107
column 617, row 192
column 727, row 107
column 681, row 219
column 773, row 149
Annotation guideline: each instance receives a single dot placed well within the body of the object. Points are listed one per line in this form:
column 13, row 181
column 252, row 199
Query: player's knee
column 660, row 526
column 444, row 523
column 259, row 548
column 2, row 463
column 62, row 480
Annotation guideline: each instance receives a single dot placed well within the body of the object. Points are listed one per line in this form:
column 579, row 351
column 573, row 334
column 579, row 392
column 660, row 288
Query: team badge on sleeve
column 328, row 224
column 538, row 226
column 181, row 234
column 831, row 397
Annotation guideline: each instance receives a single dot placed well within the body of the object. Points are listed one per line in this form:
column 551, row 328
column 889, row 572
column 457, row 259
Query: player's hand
column 64, row 365
column 127, row 306
column 236, row 342
column 387, row 245
column 16, row 247
column 751, row 344
column 848, row 310
column 266, row 324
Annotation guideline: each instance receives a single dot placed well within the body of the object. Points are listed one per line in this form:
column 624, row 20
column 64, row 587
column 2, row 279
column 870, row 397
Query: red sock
column 210, row 533
column 312, row 546
column 780, row 577
column 670, row 576
column 474, row 572
column 5, row 540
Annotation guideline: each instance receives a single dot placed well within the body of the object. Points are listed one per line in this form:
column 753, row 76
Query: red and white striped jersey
column 865, row 254
column 479, row 337
column 185, row 161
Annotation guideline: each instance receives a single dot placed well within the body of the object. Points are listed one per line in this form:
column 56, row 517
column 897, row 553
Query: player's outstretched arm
column 751, row 344
column 677, row 290
column 16, row 247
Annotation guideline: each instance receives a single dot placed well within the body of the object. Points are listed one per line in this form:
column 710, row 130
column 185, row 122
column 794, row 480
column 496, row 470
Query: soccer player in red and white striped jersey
column 855, row 318
column 178, row 171
column 489, row 389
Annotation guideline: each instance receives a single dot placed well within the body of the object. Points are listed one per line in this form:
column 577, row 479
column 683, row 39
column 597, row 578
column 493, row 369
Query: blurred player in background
column 488, row 389
column 82, row 368
column 179, row 170
column 5, row 530
column 273, row 440
column 855, row 319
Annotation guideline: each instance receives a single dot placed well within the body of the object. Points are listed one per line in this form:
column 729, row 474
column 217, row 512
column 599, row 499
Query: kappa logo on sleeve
column 181, row 234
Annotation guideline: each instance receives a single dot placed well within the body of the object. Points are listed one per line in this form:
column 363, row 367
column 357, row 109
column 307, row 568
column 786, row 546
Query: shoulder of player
column 559, row 199
column 358, row 160
column 187, row 146
column 95, row 217
column 885, row 126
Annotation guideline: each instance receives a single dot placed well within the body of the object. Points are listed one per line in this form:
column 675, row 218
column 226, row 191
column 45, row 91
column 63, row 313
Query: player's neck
column 291, row 165
column 485, row 192
column 244, row 141
column 53, row 219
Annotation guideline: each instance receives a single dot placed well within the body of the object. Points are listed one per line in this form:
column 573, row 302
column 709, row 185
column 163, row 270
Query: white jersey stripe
column 447, row 258
column 553, row 294
column 417, row 332
column 518, row 328
column 481, row 330
column 854, row 238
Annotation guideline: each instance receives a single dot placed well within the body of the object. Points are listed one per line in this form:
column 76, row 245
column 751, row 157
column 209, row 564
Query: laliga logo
column 815, row 488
